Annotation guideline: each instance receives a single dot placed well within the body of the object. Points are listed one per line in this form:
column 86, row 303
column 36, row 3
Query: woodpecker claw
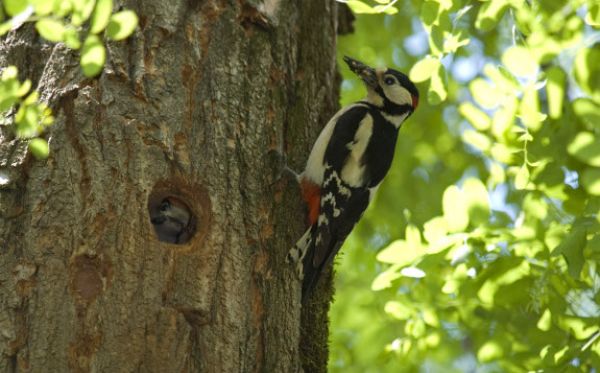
column 282, row 168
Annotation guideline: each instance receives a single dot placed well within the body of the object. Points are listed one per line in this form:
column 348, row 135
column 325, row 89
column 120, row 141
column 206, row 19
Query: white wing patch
column 314, row 166
column 353, row 171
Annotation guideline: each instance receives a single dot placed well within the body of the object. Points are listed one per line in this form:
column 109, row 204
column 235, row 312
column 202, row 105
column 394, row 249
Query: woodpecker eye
column 389, row 81
column 165, row 205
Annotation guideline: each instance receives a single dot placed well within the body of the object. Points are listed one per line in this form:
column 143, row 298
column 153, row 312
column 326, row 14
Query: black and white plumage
column 348, row 161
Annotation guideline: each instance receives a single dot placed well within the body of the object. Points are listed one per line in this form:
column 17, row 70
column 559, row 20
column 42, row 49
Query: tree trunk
column 188, row 108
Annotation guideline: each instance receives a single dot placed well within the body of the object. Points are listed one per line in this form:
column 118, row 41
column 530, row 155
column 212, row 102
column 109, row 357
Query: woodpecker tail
column 302, row 256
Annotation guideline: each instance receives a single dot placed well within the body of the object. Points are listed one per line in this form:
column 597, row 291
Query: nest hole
column 178, row 212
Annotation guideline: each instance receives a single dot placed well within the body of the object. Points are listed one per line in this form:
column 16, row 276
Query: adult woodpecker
column 347, row 163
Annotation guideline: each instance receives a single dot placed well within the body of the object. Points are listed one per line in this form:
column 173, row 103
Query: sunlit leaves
column 586, row 148
column 82, row 10
column 556, row 91
column 592, row 18
column 93, row 56
column 424, row 69
column 101, row 16
column 490, row 13
column 477, row 201
column 455, row 213
column 437, row 87
column 529, row 109
column 545, row 321
column 490, row 350
column 572, row 249
column 477, row 140
column 476, row 117
column 587, row 70
column 591, row 181
column 50, row 29
column 404, row 251
column 361, row 7
column 522, row 177
column 452, row 42
column 485, row 94
column 588, row 111
column 14, row 7
column 121, row 25
column 39, row 148
column 519, row 61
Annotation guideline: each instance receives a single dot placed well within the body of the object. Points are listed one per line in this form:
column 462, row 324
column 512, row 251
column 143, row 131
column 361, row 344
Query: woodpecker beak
column 366, row 73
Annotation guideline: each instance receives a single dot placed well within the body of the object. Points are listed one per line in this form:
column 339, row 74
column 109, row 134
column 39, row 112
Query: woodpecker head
column 388, row 89
column 171, row 220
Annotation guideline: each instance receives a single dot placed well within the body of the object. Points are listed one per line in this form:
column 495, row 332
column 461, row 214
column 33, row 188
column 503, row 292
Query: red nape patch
column 415, row 102
column 312, row 196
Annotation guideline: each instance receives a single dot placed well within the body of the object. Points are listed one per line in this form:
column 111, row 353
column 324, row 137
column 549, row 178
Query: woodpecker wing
column 344, row 193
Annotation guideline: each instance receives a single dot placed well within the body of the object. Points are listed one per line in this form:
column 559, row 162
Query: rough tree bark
column 188, row 107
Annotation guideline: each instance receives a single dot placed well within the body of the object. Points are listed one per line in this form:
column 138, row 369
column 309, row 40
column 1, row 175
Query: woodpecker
column 348, row 161
column 171, row 220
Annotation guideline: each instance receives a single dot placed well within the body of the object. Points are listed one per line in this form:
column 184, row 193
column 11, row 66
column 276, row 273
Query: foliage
column 79, row 24
column 481, row 249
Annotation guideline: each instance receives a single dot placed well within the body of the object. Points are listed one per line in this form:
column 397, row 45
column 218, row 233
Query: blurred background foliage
column 481, row 250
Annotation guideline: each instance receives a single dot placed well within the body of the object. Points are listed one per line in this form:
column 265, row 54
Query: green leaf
column 82, row 11
column 453, row 42
column 519, row 61
column 476, row 117
column 437, row 89
column 587, row 70
column 529, row 109
column 556, row 91
column 39, row 148
column 489, row 14
column 43, row 7
column 424, row 69
column 502, row 78
column 455, row 209
column 429, row 13
column 435, row 229
column 588, row 111
column 403, row 252
column 386, row 9
column 384, row 279
column 93, row 56
column 24, row 88
column 121, row 25
column 50, row 29
column 100, row 16
column 398, row 310
column 477, row 201
column 586, row 148
column 359, row 7
column 591, row 181
column 484, row 94
column 477, row 139
column 592, row 17
column 71, row 37
column 522, row 178
column 5, row 27
column 62, row 8
column 572, row 249
column 14, row 7
column 545, row 321
column 491, row 350
column 436, row 41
